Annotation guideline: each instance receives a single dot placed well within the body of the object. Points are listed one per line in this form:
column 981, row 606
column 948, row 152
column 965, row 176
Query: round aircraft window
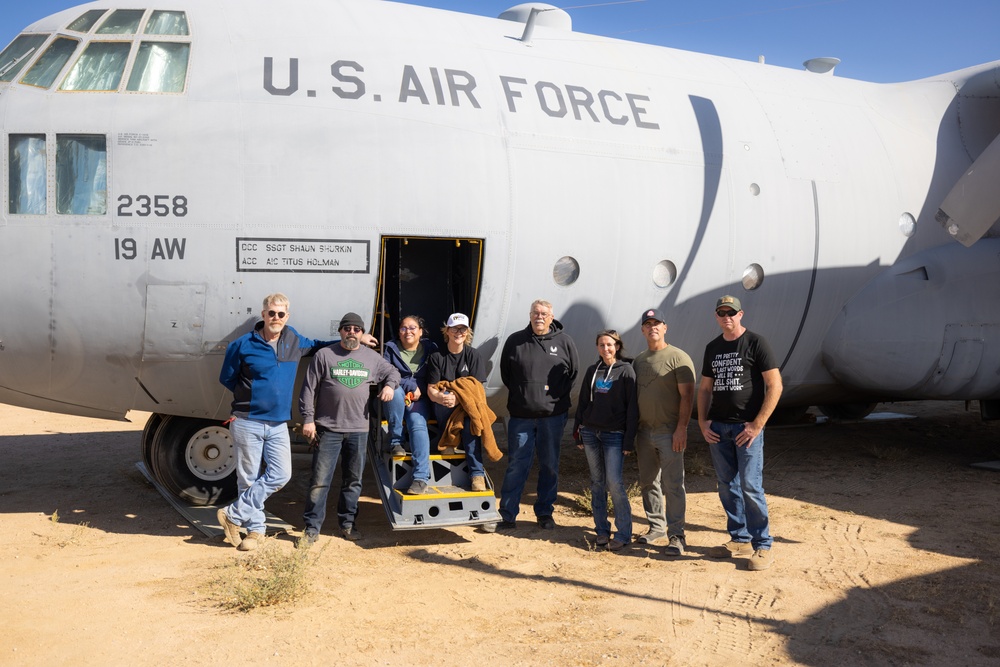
column 753, row 277
column 664, row 273
column 566, row 271
column 907, row 225
column 754, row 189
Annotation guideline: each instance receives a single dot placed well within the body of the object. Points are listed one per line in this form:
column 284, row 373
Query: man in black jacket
column 538, row 366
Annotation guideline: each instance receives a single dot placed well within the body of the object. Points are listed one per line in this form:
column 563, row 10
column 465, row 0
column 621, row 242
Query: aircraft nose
column 921, row 329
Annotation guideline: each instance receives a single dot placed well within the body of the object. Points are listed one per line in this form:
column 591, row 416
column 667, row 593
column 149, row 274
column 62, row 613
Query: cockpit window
column 26, row 175
column 160, row 67
column 167, row 23
column 99, row 68
column 81, row 174
column 16, row 56
column 86, row 21
column 122, row 22
column 45, row 70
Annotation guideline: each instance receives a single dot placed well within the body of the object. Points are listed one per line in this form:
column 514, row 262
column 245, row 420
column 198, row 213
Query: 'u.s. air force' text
column 457, row 88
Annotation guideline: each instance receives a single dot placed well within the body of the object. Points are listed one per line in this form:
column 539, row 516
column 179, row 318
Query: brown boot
column 251, row 541
column 478, row 483
column 231, row 530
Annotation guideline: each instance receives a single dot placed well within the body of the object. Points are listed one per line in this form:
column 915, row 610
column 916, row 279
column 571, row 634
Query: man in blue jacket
column 259, row 368
column 538, row 365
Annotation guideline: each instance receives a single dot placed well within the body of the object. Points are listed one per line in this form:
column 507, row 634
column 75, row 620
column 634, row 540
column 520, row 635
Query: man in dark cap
column 740, row 387
column 664, row 378
column 259, row 368
column 334, row 407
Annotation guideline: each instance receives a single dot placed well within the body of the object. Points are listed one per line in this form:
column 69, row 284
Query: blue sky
column 877, row 40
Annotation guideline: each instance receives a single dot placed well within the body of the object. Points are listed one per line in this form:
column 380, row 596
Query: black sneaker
column 397, row 450
column 350, row 533
column 676, row 546
column 307, row 540
column 546, row 523
column 505, row 526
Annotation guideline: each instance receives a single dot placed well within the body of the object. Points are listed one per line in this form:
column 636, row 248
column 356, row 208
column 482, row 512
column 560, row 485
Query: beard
column 351, row 343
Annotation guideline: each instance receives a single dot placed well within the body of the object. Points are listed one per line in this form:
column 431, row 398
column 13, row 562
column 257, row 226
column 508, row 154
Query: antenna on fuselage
column 528, row 14
column 821, row 65
column 529, row 25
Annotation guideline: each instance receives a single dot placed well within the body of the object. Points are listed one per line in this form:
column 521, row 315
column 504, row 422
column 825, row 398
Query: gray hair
column 275, row 298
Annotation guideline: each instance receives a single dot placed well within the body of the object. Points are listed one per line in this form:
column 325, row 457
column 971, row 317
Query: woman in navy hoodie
column 409, row 354
column 607, row 416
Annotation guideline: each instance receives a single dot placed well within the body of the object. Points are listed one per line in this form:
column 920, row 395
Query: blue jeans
column 325, row 456
column 415, row 416
column 525, row 437
column 470, row 443
column 740, row 471
column 258, row 441
column 661, row 478
column 605, row 458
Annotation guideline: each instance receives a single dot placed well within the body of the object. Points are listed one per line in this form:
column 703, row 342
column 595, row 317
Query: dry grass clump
column 584, row 500
column 698, row 462
column 266, row 577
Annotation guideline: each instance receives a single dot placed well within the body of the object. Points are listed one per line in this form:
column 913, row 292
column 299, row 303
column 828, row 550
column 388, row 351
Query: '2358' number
column 158, row 205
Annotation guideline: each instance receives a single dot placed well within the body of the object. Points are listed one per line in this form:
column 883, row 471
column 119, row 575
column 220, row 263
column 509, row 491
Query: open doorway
column 429, row 277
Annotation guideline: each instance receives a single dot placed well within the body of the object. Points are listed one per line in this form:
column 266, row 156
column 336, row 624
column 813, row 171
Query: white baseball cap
column 457, row 320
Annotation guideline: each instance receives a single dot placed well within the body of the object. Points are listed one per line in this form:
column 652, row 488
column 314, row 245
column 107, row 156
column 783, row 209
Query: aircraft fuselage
column 308, row 132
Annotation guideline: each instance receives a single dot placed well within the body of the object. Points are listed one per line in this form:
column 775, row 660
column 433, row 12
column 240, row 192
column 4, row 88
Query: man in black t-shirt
column 739, row 389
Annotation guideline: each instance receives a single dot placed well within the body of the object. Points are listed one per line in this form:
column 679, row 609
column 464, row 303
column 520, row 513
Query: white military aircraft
column 168, row 164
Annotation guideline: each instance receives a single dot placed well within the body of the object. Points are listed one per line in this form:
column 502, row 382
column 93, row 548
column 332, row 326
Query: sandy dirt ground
column 886, row 549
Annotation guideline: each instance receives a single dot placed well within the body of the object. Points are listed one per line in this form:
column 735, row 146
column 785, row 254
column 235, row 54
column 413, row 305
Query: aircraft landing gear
column 193, row 458
column 847, row 411
column 786, row 416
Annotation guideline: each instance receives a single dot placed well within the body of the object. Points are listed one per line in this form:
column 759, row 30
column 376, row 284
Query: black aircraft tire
column 847, row 411
column 148, row 431
column 788, row 416
column 195, row 459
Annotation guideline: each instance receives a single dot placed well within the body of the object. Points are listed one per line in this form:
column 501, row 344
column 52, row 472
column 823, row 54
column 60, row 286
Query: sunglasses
column 351, row 329
column 280, row 314
column 727, row 313
column 408, row 328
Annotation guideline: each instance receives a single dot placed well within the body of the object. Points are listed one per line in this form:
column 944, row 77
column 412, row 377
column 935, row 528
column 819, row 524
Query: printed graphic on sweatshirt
column 350, row 373
column 728, row 371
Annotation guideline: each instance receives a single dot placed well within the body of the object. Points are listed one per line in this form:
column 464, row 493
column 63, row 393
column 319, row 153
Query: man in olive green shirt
column 665, row 383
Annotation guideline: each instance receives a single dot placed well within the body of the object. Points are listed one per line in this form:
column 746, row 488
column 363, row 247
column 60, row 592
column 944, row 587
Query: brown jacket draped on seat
column 471, row 401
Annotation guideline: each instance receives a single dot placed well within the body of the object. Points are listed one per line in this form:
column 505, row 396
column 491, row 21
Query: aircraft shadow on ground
column 87, row 478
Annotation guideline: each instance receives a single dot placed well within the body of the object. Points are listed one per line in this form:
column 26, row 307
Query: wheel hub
column 210, row 453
